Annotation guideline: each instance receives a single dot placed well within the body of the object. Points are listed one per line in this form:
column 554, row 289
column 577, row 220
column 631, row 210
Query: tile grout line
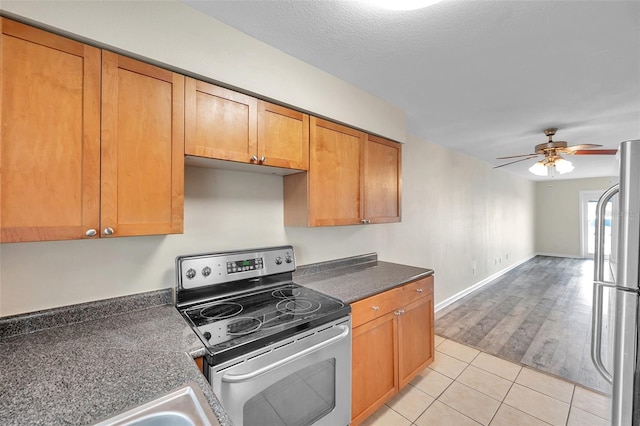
column 501, row 402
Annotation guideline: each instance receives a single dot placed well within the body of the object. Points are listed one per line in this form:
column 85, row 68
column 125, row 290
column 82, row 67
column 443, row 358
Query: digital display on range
column 244, row 265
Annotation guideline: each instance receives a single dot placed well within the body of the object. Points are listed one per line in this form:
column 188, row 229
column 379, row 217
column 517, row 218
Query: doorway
column 588, row 202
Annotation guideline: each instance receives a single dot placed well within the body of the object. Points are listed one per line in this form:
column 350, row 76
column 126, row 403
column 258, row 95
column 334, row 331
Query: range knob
column 288, row 259
column 207, row 335
column 191, row 273
column 206, row 271
column 278, row 260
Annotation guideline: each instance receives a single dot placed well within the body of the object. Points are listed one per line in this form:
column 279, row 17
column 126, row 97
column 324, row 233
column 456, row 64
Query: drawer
column 376, row 306
column 415, row 290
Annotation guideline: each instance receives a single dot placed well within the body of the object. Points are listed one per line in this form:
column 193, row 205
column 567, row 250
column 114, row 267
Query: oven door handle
column 237, row 378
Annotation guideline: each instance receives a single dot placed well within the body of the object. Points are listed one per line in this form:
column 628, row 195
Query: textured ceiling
column 484, row 78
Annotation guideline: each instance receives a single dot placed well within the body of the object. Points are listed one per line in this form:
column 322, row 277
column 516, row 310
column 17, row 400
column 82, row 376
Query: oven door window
column 299, row 399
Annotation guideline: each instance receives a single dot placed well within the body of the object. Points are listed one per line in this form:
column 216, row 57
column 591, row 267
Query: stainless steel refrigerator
column 623, row 285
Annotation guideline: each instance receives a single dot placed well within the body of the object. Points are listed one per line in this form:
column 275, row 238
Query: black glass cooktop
column 235, row 325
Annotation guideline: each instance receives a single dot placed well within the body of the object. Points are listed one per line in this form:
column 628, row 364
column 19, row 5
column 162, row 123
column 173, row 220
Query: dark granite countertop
column 357, row 277
column 81, row 364
column 88, row 371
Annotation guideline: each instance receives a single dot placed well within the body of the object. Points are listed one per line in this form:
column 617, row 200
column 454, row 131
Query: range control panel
column 244, row 265
column 202, row 270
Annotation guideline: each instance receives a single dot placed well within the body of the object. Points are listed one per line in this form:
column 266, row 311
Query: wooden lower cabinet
column 392, row 342
column 415, row 343
column 200, row 363
column 373, row 351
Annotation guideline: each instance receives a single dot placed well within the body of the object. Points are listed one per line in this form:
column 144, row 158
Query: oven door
column 302, row 380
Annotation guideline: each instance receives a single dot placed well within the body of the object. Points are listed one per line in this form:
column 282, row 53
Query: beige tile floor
column 464, row 386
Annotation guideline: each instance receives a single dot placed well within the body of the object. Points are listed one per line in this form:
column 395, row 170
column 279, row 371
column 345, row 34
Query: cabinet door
column 415, row 338
column 383, row 182
column 283, row 137
column 142, row 148
column 374, row 374
column 49, row 136
column 335, row 174
column 220, row 123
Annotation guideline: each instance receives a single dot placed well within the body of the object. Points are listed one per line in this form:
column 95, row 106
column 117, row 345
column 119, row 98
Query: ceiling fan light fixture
column 539, row 169
column 563, row 166
column 401, row 4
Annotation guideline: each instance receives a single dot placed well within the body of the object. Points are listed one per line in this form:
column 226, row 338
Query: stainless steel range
column 277, row 353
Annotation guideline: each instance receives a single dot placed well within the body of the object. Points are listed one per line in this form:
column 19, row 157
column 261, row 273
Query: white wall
column 457, row 211
column 557, row 214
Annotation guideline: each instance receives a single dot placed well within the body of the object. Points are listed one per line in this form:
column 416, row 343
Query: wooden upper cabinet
column 383, row 180
column 220, row 123
column 228, row 125
column 283, row 137
column 142, row 148
column 353, row 178
column 49, row 135
column 335, row 174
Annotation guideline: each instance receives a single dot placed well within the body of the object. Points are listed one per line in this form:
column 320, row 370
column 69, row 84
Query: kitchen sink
column 186, row 406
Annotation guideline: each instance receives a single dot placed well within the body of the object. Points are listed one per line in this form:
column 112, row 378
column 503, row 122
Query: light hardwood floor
column 537, row 315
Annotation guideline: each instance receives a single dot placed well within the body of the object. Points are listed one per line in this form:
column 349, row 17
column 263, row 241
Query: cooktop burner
column 243, row 319
column 221, row 310
column 238, row 302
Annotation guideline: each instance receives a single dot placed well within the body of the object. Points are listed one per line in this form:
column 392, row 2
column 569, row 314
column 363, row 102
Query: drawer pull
column 419, row 290
column 375, row 308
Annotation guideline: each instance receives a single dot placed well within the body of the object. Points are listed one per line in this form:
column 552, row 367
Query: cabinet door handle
column 365, row 221
column 108, row 231
column 254, row 158
column 263, row 159
column 419, row 290
column 91, row 232
column 375, row 308
column 398, row 313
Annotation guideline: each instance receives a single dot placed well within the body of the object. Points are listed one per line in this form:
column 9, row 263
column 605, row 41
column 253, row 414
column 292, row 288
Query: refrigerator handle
column 596, row 331
column 598, row 255
column 599, row 283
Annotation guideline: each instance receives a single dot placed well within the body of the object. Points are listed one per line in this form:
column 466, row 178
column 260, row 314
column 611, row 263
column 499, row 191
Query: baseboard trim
column 482, row 283
column 571, row 256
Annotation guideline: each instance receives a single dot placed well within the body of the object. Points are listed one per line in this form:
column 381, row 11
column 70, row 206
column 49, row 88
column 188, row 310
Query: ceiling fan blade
column 594, row 152
column 515, row 156
column 580, row 147
column 517, row 161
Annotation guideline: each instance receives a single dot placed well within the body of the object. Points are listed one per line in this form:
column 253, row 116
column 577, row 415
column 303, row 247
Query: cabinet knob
column 398, row 313
column 419, row 290
column 365, row 221
column 91, row 232
column 375, row 308
column 254, row 158
column 263, row 159
column 108, row 231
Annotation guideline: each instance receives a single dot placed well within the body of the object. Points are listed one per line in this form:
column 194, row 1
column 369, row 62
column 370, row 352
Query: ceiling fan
column 552, row 159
